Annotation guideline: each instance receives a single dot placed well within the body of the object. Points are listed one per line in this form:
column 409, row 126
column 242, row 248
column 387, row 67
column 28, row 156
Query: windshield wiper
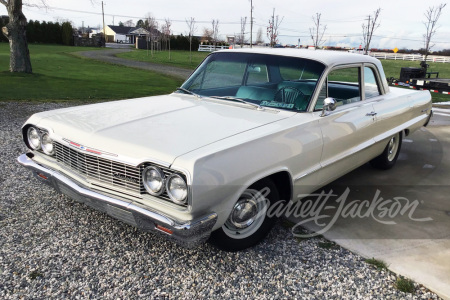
column 188, row 92
column 238, row 100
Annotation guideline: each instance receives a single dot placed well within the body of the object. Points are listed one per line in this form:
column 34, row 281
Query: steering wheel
column 288, row 95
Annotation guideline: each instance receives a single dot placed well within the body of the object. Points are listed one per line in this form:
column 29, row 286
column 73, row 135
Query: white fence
column 411, row 57
column 211, row 48
column 379, row 55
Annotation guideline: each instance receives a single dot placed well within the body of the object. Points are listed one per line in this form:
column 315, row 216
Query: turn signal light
column 164, row 229
column 42, row 176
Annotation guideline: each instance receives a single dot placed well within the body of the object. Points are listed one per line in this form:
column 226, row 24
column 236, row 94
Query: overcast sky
column 401, row 21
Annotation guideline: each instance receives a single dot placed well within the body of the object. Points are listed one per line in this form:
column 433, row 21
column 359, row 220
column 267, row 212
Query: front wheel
column 248, row 222
column 388, row 158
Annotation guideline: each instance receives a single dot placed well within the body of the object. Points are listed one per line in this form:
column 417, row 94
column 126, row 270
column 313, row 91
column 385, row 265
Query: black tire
column 231, row 238
column 388, row 158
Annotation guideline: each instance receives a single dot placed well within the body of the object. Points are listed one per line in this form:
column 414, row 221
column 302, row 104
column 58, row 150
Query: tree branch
column 4, row 2
column 432, row 16
column 42, row 5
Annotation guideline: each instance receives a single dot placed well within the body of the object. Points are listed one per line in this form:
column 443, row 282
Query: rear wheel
column 388, row 158
column 248, row 222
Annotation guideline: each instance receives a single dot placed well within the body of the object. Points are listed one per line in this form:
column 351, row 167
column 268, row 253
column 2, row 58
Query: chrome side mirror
column 329, row 104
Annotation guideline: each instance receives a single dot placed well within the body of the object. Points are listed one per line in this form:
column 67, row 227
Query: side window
column 257, row 74
column 371, row 88
column 343, row 85
column 321, row 97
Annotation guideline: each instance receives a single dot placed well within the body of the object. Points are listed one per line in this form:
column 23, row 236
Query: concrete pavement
column 410, row 228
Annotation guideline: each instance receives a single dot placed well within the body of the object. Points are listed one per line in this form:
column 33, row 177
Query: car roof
column 327, row 57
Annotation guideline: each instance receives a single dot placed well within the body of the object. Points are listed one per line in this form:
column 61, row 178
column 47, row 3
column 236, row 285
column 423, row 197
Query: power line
column 131, row 17
column 236, row 23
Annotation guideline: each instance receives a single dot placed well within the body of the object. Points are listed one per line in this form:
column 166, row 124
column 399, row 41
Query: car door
column 391, row 112
column 346, row 131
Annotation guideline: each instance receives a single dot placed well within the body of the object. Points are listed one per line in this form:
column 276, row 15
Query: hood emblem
column 88, row 149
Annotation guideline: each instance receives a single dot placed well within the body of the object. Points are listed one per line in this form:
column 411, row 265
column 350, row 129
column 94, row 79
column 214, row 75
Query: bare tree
column 215, row 31
column 259, row 36
column 372, row 24
column 431, row 18
column 167, row 32
column 317, row 31
column 241, row 39
column 251, row 23
column 207, row 35
column 151, row 25
column 272, row 29
column 192, row 28
column 129, row 23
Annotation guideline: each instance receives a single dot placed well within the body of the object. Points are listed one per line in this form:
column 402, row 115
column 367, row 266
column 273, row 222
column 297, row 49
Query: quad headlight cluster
column 156, row 183
column 38, row 139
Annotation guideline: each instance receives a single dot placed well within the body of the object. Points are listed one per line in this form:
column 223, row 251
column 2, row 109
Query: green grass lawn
column 178, row 58
column 59, row 75
column 392, row 67
column 181, row 59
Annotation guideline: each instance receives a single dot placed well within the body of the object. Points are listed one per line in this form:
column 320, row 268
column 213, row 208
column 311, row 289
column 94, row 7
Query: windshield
column 265, row 80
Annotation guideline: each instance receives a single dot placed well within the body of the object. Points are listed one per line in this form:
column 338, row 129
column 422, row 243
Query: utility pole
column 104, row 29
column 251, row 23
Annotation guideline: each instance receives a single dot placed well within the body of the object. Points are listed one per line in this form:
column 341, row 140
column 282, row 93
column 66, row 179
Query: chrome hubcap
column 247, row 215
column 244, row 213
column 392, row 148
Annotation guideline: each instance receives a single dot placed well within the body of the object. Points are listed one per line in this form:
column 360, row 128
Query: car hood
column 158, row 129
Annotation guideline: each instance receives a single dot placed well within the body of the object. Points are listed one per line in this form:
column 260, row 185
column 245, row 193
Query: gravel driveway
column 53, row 247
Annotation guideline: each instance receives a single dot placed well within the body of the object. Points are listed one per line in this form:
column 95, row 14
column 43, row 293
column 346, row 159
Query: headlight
column 34, row 138
column 153, row 179
column 47, row 144
column 177, row 189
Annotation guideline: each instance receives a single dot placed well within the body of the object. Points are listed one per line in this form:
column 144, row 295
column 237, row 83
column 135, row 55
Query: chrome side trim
column 347, row 153
column 399, row 128
column 363, row 146
column 315, row 168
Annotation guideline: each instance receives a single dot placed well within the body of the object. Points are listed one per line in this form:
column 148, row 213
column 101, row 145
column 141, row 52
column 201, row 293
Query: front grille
column 100, row 171
column 106, row 173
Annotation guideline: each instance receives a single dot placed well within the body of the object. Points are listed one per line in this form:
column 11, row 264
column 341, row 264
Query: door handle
column 371, row 114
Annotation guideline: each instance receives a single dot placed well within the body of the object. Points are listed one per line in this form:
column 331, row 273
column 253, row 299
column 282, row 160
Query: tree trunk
column 15, row 31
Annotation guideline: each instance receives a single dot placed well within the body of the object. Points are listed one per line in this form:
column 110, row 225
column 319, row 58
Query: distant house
column 124, row 34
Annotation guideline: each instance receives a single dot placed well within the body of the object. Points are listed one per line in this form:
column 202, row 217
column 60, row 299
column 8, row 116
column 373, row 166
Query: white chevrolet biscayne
column 247, row 129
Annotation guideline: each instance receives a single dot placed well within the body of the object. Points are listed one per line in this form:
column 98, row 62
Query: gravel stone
column 54, row 247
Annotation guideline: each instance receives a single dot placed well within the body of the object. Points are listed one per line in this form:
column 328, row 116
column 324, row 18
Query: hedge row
column 49, row 32
column 45, row 32
column 181, row 42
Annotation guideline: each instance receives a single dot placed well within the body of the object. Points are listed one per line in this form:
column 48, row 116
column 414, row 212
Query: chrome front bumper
column 185, row 233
